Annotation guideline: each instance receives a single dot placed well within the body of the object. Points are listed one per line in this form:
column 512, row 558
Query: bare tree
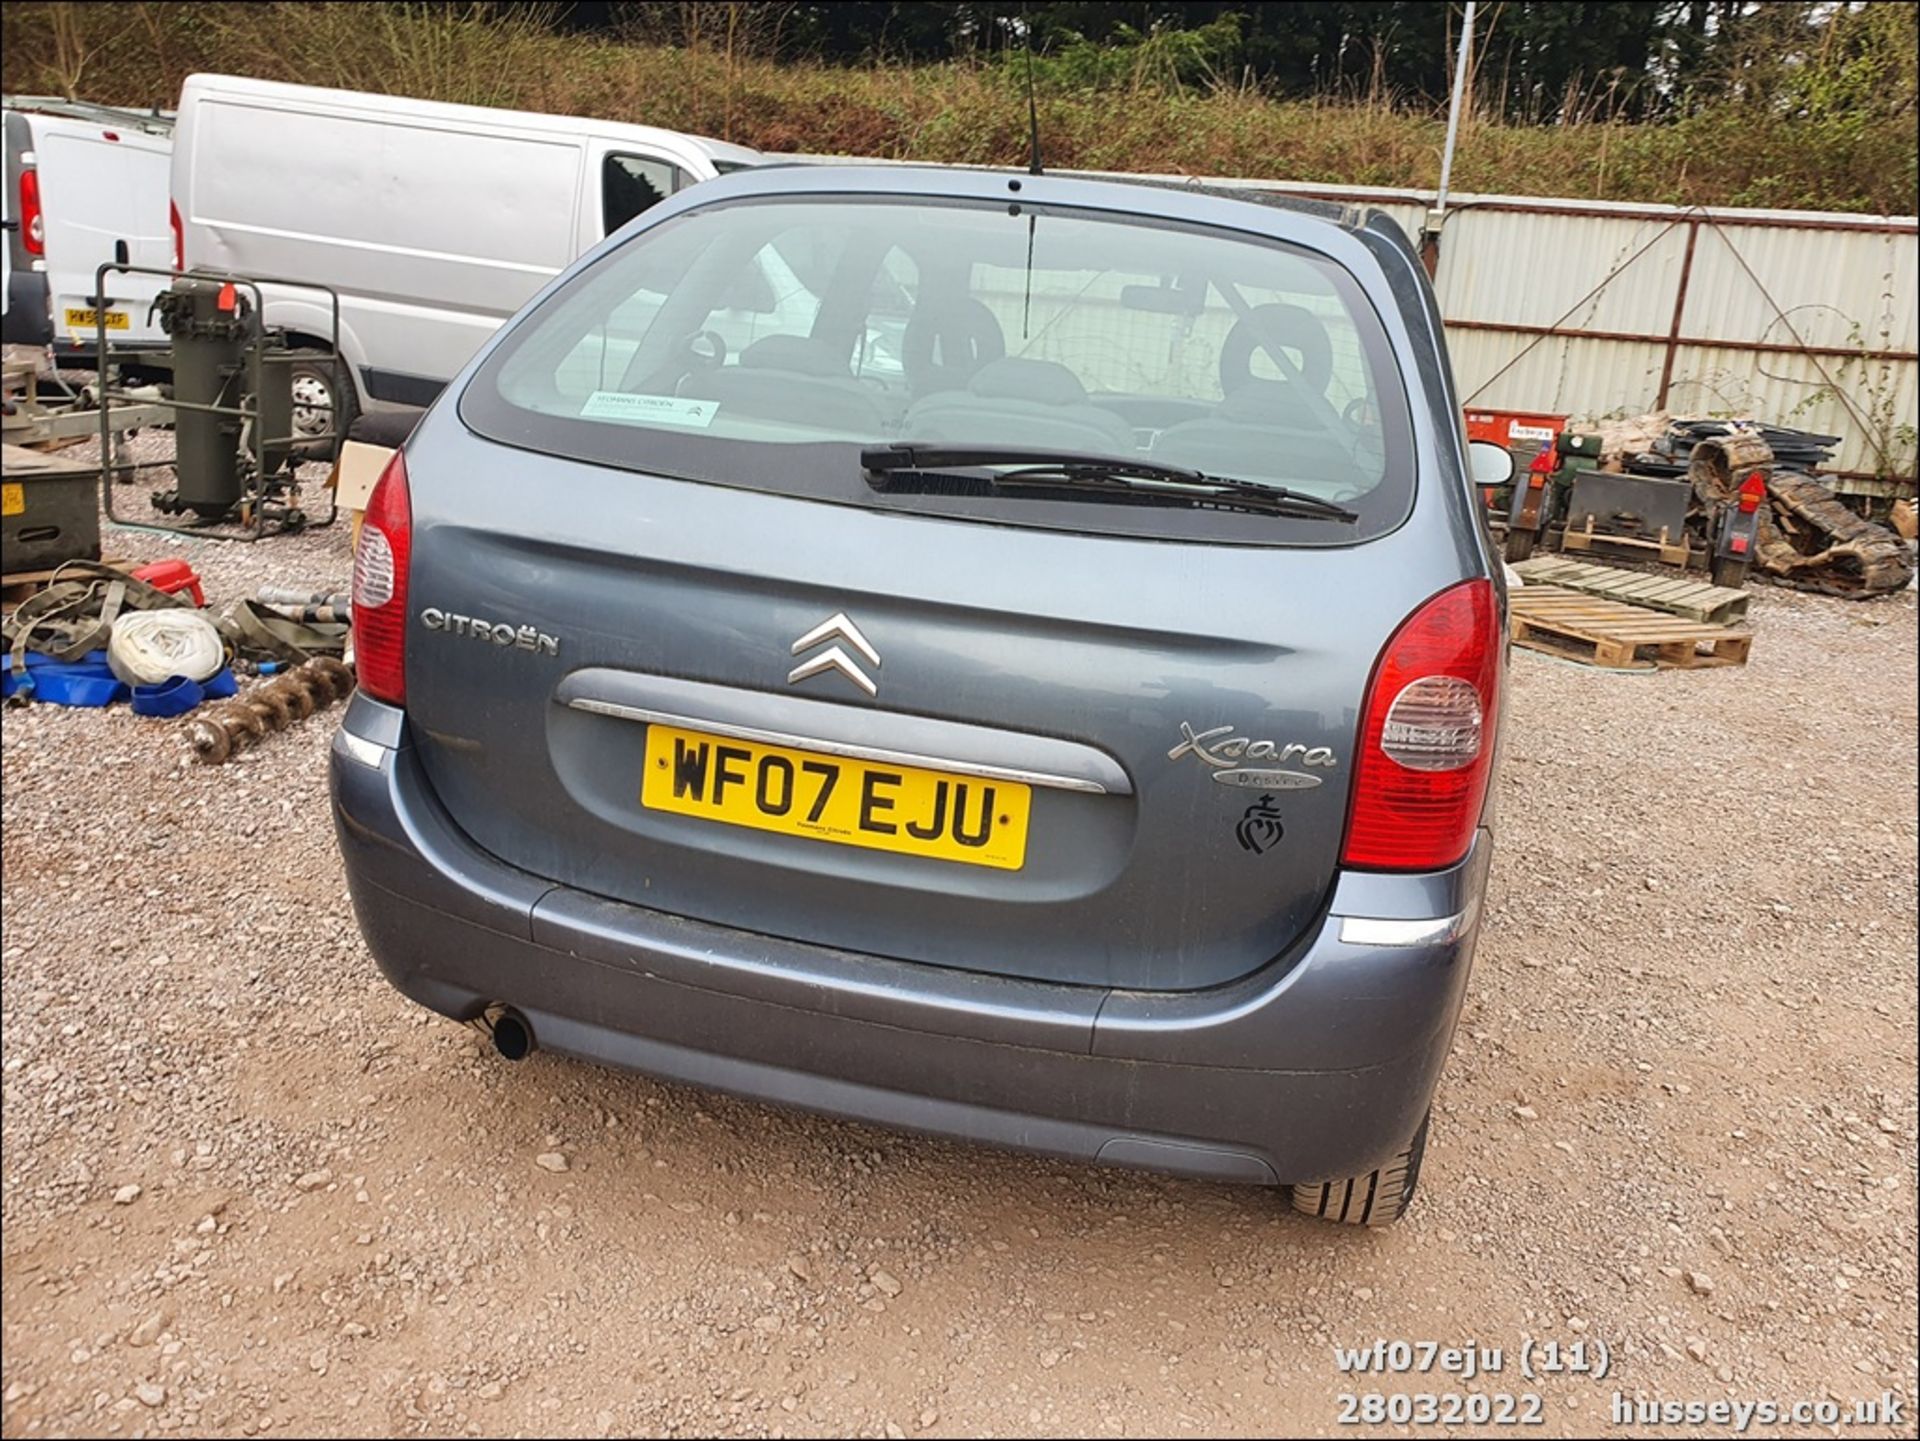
column 70, row 49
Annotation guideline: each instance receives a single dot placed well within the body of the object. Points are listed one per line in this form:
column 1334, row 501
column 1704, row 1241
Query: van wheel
column 323, row 401
column 1379, row 1198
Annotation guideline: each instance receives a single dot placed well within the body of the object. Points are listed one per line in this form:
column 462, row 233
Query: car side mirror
column 1492, row 464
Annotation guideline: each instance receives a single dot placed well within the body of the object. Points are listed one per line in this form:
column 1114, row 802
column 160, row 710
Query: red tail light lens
column 1426, row 736
column 179, row 236
column 33, row 224
column 380, row 586
column 1752, row 493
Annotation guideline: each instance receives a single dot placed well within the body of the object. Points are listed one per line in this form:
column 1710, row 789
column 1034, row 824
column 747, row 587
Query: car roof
column 1350, row 217
column 1318, row 224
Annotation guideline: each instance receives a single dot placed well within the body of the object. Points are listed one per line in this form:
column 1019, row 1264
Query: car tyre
column 323, row 399
column 1730, row 573
column 1377, row 1198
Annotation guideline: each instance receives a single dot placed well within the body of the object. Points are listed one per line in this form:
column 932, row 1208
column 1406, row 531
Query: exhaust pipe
column 512, row 1036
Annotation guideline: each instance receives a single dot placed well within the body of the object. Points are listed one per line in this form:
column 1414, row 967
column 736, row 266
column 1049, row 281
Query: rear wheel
column 1378, row 1198
column 1519, row 544
column 1730, row 573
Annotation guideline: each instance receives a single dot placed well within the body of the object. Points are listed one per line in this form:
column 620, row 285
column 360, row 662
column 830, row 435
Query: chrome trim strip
column 1440, row 931
column 839, row 748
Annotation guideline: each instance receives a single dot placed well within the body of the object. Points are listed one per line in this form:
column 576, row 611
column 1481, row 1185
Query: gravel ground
column 248, row 1188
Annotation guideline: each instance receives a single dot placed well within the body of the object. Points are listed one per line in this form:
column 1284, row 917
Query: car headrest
column 1276, row 328
column 944, row 344
column 798, row 353
column 1046, row 381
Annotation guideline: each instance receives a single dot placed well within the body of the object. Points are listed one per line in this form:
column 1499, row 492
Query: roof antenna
column 1033, row 113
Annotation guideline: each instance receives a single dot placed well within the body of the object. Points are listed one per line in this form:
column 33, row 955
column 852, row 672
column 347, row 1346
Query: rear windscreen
column 764, row 344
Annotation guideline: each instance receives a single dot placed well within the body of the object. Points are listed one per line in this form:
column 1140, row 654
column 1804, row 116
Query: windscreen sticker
column 649, row 409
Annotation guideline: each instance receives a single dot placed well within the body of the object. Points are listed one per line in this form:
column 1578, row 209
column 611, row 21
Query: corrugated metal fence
column 1595, row 309
column 1801, row 318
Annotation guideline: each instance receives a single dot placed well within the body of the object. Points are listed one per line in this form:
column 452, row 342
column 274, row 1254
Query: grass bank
column 1134, row 118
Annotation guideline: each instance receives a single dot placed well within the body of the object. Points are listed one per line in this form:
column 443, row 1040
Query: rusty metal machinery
column 1810, row 540
column 1805, row 536
column 227, row 729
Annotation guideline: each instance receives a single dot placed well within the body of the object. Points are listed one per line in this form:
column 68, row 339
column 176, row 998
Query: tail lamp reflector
column 1434, row 724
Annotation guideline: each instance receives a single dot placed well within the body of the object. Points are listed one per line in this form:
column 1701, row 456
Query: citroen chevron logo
column 838, row 628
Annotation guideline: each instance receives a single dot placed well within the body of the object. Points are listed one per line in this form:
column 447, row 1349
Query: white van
column 85, row 184
column 433, row 222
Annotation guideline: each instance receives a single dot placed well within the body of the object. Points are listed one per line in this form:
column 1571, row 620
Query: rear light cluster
column 1426, row 737
column 1752, row 493
column 380, row 586
column 179, row 236
column 33, row 224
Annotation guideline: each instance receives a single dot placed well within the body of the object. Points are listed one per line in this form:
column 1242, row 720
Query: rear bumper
column 1318, row 1066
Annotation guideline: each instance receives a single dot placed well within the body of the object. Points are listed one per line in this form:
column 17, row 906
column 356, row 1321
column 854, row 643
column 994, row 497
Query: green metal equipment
column 1539, row 495
column 235, row 447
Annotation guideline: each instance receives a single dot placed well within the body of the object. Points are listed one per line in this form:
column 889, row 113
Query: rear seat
column 797, row 379
column 1021, row 402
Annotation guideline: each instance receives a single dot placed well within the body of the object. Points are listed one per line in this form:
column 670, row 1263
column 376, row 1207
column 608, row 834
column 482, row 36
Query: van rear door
column 432, row 225
column 103, row 196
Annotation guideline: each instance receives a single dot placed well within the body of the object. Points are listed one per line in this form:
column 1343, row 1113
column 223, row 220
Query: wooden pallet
column 1666, row 550
column 1694, row 599
column 1614, row 636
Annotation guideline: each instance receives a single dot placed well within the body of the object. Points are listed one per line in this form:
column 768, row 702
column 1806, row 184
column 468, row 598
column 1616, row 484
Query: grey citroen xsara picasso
column 1015, row 658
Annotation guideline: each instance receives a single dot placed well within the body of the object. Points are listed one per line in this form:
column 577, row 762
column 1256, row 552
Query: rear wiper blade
column 914, row 455
column 1150, row 478
column 1055, row 468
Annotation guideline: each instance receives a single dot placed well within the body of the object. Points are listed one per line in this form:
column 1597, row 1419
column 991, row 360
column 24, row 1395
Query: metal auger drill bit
column 229, row 728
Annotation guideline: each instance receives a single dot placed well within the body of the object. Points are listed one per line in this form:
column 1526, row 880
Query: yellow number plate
column 84, row 320
column 831, row 798
column 13, row 499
